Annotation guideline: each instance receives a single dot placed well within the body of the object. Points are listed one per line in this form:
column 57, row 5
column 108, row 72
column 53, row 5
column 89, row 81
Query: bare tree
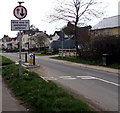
column 77, row 12
column 40, row 39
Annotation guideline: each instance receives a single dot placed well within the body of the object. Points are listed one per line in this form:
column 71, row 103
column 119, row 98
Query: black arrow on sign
column 22, row 14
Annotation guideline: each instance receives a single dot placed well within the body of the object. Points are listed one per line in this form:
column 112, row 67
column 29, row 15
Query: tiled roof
column 110, row 22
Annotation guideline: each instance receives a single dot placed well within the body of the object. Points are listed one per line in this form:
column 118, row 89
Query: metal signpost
column 20, row 12
column 62, row 35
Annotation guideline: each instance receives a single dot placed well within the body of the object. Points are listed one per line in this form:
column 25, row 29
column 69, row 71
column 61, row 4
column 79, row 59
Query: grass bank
column 73, row 59
column 5, row 61
column 87, row 61
column 41, row 96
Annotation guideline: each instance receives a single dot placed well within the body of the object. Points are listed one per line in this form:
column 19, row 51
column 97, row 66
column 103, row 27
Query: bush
column 103, row 45
column 42, row 52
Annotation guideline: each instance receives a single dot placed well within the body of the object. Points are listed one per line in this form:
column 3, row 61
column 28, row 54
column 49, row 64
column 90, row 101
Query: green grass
column 41, row 96
column 5, row 61
column 47, row 54
column 73, row 59
column 42, row 54
column 87, row 61
column 114, row 65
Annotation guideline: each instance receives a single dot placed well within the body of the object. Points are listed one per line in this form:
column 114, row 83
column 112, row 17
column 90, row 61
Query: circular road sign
column 20, row 12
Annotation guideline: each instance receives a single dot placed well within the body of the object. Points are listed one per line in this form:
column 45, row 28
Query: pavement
column 9, row 102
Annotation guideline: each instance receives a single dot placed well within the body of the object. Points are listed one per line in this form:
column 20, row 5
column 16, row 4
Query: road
column 99, row 87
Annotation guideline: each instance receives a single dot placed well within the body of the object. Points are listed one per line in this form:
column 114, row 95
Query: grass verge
column 5, row 61
column 73, row 59
column 41, row 96
column 86, row 61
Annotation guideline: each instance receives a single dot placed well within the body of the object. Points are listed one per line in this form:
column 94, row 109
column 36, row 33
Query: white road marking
column 96, row 78
column 86, row 77
column 44, row 78
column 67, row 78
column 81, row 77
column 64, row 76
column 48, row 78
column 108, row 82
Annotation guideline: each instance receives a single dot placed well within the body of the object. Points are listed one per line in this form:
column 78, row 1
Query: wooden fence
column 67, row 52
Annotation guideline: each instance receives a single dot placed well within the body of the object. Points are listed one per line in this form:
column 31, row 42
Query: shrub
column 101, row 45
column 42, row 52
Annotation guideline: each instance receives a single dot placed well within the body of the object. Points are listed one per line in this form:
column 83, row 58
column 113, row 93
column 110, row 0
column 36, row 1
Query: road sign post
column 20, row 47
column 20, row 12
column 62, row 41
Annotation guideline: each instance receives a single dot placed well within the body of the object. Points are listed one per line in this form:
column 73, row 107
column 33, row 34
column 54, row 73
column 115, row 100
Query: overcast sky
column 37, row 11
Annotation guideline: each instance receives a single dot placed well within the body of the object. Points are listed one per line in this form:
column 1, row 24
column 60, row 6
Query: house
column 1, row 44
column 25, row 41
column 56, row 43
column 29, row 40
column 15, row 43
column 8, row 43
column 107, row 27
column 55, row 36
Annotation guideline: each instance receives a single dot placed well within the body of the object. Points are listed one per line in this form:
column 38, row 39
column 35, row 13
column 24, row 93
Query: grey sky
column 38, row 9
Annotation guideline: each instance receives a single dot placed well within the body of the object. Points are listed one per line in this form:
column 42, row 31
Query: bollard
column 25, row 57
column 34, row 59
column 31, row 59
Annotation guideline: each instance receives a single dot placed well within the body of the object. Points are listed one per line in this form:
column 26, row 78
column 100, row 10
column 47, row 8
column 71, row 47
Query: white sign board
column 20, row 25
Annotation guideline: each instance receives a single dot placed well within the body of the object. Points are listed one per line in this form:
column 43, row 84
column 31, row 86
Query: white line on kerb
column 95, row 78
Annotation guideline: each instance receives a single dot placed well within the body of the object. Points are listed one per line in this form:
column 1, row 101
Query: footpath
column 9, row 103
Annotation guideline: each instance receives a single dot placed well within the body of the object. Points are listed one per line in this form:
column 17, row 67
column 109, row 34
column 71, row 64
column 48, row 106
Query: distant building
column 55, row 42
column 8, row 43
column 28, row 41
column 107, row 27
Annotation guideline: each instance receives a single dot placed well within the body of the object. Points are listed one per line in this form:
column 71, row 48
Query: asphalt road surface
column 100, row 87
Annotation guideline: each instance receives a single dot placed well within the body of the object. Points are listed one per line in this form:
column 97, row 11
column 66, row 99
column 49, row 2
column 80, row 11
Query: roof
column 6, row 38
column 110, row 22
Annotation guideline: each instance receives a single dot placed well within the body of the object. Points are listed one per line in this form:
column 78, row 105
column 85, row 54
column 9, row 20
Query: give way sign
column 20, row 12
